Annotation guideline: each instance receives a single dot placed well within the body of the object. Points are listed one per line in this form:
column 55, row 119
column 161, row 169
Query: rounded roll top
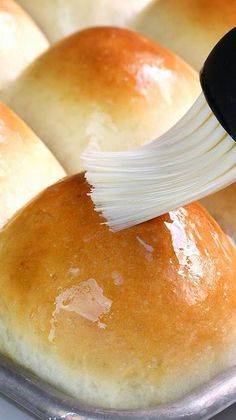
column 106, row 88
column 123, row 320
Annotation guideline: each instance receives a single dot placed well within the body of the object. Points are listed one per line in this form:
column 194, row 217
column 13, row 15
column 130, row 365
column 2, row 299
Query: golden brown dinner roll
column 26, row 165
column 122, row 320
column 191, row 28
column 20, row 41
column 106, row 88
column 59, row 18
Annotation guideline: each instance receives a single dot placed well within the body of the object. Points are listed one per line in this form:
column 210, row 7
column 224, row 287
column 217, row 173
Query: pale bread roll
column 21, row 41
column 26, row 165
column 121, row 320
column 59, row 18
column 190, row 28
column 107, row 88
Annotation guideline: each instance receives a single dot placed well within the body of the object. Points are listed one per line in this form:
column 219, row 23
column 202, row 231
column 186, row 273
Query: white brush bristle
column 193, row 159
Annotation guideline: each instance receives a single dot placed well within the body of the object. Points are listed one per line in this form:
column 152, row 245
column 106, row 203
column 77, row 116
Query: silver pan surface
column 45, row 402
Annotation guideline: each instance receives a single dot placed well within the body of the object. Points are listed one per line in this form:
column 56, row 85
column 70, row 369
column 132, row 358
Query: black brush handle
column 218, row 81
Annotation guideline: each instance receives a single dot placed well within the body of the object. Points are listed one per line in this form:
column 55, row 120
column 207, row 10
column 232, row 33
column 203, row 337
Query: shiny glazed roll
column 59, row 18
column 21, row 41
column 125, row 320
column 26, row 165
column 107, row 88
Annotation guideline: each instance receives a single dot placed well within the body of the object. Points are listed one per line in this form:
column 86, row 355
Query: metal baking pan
column 45, row 402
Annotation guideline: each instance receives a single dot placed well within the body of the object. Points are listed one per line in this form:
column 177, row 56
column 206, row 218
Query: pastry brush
column 195, row 158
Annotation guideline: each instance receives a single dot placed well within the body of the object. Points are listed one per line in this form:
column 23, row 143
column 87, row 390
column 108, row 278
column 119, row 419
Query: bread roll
column 191, row 28
column 195, row 28
column 59, row 18
column 122, row 320
column 106, row 88
column 188, row 27
column 222, row 206
column 26, row 165
column 20, row 41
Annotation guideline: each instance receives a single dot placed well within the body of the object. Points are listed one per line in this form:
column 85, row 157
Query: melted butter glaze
column 86, row 299
column 190, row 261
column 166, row 309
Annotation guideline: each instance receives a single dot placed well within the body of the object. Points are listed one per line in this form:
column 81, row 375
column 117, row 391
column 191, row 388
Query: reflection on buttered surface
column 86, row 299
column 190, row 260
column 127, row 319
